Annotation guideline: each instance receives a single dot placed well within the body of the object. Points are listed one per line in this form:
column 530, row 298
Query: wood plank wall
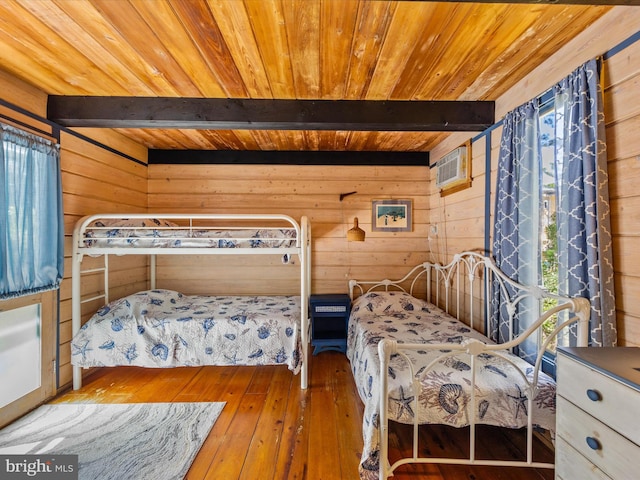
column 622, row 116
column 461, row 216
column 313, row 191
column 97, row 180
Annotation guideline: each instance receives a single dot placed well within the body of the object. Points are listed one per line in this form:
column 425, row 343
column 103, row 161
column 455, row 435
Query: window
column 550, row 157
column 31, row 217
column 31, row 263
column 20, row 352
column 28, row 331
column 552, row 213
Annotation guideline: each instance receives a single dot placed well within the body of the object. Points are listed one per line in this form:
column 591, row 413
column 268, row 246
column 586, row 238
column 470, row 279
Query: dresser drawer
column 615, row 455
column 613, row 403
column 570, row 465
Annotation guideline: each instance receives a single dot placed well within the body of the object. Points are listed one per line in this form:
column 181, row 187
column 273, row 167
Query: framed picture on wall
column 391, row 216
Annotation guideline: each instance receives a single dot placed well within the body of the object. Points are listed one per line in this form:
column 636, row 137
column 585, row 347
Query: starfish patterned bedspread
column 445, row 388
column 164, row 328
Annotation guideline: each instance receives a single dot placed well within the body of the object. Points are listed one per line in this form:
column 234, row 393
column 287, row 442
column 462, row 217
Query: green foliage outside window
column 550, row 272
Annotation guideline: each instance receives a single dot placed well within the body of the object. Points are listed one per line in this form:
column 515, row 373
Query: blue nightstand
column 329, row 320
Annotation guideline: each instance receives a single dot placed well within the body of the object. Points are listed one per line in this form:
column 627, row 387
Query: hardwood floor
column 270, row 429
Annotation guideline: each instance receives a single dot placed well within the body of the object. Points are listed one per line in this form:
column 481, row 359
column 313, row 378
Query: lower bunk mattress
column 164, row 328
column 445, row 388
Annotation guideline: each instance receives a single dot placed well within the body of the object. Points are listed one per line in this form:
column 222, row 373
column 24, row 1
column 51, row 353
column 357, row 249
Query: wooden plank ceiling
column 362, row 50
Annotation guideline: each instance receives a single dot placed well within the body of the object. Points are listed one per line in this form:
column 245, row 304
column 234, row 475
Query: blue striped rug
column 116, row 441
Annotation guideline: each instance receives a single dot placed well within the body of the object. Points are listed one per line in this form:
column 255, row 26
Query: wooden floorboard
column 271, row 429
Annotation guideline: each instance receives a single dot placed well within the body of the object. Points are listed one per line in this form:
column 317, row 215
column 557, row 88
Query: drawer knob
column 594, row 395
column 594, row 443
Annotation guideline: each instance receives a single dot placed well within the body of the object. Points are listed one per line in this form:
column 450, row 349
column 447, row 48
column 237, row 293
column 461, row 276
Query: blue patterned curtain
column 31, row 216
column 517, row 217
column 584, row 228
column 584, row 233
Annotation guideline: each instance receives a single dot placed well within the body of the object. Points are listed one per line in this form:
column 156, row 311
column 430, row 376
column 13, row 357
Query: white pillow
column 390, row 300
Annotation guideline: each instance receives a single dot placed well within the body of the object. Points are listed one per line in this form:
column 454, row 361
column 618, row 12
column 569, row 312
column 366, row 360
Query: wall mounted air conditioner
column 454, row 169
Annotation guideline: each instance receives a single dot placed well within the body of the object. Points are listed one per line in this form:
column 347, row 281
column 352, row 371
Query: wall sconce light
column 355, row 234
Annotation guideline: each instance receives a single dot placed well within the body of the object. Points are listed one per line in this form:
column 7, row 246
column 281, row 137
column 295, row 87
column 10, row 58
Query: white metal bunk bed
column 414, row 362
column 197, row 234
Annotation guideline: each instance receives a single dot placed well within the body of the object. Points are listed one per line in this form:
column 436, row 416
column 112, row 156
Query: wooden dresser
column 598, row 413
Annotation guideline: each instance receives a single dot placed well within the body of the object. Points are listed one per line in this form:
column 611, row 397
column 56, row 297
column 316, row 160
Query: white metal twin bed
column 415, row 363
column 163, row 328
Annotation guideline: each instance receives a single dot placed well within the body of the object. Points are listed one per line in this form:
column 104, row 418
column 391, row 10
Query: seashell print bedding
column 164, row 328
column 445, row 389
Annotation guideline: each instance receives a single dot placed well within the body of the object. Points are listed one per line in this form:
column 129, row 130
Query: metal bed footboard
column 473, row 348
column 461, row 288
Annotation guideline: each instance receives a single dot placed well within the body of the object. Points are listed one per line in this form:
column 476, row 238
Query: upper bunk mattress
column 154, row 233
column 164, row 328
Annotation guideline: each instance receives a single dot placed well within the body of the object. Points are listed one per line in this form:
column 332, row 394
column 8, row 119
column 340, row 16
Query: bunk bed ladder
column 77, row 301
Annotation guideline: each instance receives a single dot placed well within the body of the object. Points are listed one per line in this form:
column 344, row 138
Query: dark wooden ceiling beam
column 259, row 114
column 287, row 157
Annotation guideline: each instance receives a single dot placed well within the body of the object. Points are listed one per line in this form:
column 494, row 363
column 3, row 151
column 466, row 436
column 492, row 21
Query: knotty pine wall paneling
column 454, row 220
column 313, row 191
column 622, row 117
column 97, row 180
